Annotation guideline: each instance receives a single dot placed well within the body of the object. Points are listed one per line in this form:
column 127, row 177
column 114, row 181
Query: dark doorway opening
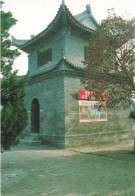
column 35, row 116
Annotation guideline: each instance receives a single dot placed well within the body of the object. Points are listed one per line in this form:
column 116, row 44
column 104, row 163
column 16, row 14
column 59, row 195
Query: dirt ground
column 46, row 171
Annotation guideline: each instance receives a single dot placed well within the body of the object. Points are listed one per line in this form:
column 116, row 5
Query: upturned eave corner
column 63, row 17
column 18, row 43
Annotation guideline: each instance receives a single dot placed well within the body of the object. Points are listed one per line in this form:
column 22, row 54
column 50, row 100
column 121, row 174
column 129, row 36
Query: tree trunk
column 134, row 145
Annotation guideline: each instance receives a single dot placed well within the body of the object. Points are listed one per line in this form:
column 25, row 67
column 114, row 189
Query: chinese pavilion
column 55, row 63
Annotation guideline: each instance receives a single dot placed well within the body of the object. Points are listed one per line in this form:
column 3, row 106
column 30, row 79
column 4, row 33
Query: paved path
column 45, row 171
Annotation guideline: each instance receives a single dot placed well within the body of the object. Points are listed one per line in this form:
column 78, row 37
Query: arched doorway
column 35, row 116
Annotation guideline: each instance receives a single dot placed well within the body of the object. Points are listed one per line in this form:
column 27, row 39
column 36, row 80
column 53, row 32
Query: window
column 44, row 57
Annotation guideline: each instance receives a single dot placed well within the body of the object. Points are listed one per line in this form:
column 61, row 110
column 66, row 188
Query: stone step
column 32, row 138
column 30, row 142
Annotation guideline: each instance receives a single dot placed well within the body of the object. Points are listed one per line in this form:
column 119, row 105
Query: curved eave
column 18, row 43
column 67, row 62
column 71, row 65
column 26, row 45
column 76, row 22
column 55, row 68
column 57, row 20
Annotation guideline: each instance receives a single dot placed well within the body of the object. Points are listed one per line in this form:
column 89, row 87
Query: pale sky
column 34, row 15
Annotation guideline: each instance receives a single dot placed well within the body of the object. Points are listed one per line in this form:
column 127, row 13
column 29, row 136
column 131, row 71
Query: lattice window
column 44, row 57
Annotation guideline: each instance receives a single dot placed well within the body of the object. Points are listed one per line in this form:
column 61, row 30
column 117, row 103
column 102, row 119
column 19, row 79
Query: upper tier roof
column 83, row 22
column 87, row 19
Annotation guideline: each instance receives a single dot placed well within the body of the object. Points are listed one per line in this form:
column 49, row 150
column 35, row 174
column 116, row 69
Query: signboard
column 90, row 111
column 88, row 95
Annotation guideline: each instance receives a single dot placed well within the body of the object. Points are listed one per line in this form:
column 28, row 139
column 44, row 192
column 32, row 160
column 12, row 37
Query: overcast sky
column 34, row 15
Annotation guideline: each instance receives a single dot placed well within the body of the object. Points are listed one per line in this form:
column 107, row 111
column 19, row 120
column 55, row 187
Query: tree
column 13, row 112
column 110, row 61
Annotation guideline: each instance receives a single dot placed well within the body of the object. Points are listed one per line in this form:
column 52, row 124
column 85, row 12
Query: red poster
column 88, row 95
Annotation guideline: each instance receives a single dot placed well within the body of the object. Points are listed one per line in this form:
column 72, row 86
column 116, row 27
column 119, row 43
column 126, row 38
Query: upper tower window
column 44, row 57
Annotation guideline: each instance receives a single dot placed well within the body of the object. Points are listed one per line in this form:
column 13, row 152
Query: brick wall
column 50, row 94
column 118, row 126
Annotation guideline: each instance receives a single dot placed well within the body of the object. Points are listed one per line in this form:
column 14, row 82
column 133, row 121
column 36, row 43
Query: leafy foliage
column 14, row 114
column 110, row 61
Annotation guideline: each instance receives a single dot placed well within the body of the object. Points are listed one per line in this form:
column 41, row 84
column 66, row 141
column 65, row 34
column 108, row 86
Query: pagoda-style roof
column 87, row 19
column 83, row 22
column 62, row 67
